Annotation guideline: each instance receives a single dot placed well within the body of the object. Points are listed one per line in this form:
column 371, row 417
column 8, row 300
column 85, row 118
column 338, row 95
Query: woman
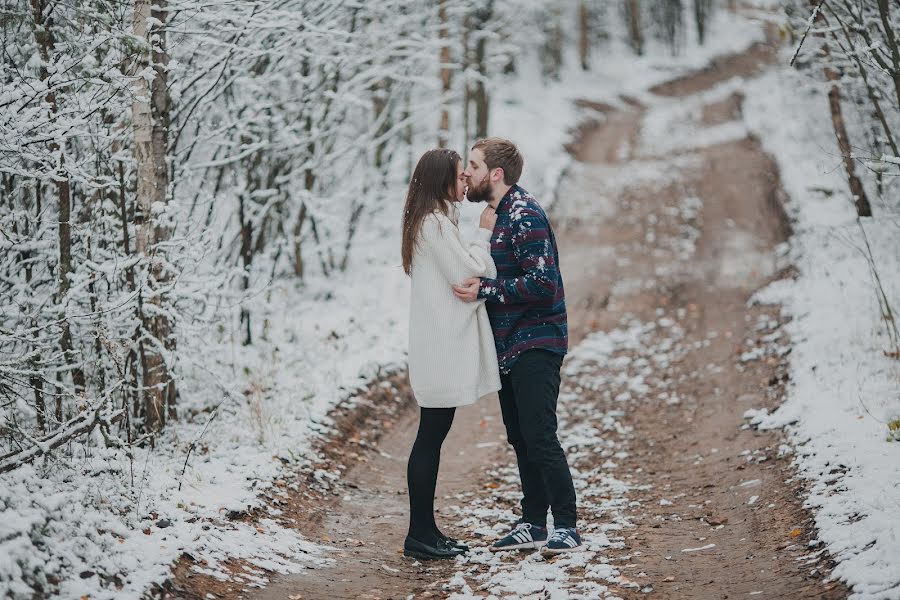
column 452, row 359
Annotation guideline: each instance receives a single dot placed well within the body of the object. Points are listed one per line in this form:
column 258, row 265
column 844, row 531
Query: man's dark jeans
column 528, row 402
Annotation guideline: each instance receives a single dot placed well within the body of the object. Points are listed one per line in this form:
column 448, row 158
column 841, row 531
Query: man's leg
column 534, row 497
column 535, row 383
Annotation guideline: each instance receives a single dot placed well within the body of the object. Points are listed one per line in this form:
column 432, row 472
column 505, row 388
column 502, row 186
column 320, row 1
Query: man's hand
column 467, row 291
column 488, row 218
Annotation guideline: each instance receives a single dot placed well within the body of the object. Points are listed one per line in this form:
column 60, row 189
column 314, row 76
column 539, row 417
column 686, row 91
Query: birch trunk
column 150, row 119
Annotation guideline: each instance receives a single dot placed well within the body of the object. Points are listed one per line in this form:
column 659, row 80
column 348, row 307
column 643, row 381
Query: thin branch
column 809, row 24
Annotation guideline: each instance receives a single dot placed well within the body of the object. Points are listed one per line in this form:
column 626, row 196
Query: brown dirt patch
column 723, row 111
column 744, row 64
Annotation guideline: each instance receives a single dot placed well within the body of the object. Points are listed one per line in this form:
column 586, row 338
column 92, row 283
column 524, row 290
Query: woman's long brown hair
column 432, row 185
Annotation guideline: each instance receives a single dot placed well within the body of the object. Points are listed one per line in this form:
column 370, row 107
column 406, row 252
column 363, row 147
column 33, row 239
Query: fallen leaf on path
column 795, row 532
column 492, row 485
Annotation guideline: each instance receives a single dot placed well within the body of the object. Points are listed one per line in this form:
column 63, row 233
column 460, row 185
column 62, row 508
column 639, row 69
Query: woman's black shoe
column 442, row 550
column 449, row 541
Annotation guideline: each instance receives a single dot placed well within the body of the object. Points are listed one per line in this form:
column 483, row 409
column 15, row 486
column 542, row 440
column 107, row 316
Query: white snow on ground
column 844, row 389
column 675, row 123
column 103, row 537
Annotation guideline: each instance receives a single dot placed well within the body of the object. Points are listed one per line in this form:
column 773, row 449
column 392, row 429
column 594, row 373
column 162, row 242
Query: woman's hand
column 467, row 291
column 488, row 218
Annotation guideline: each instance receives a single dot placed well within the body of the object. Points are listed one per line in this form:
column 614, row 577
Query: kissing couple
column 486, row 314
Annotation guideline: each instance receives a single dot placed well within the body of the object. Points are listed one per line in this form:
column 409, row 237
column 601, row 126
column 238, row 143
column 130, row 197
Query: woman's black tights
column 422, row 470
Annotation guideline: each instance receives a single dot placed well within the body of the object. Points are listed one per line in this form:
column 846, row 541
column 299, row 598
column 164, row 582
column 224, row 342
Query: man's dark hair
column 502, row 153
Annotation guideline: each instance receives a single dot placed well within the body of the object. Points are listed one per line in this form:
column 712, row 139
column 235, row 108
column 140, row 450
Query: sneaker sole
column 524, row 546
column 554, row 551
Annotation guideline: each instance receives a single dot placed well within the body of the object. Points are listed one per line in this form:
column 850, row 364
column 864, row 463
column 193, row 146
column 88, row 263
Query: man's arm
column 533, row 250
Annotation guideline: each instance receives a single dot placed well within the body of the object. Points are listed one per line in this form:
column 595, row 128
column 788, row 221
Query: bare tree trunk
column 584, row 31
column 309, row 181
column 381, row 93
column 863, row 209
column 43, row 35
column 482, row 101
column 408, row 131
column 481, row 97
column 7, row 184
column 635, row 32
column 247, row 260
column 150, row 119
column 468, row 92
column 444, row 128
column 129, row 375
column 702, row 9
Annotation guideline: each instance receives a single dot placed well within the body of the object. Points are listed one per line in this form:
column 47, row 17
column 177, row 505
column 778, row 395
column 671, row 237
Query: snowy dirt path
column 668, row 222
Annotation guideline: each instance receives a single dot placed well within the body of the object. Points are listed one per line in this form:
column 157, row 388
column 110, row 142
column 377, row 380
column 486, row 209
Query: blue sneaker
column 565, row 539
column 524, row 536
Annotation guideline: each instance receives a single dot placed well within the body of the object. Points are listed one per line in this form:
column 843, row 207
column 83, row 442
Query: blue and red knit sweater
column 526, row 302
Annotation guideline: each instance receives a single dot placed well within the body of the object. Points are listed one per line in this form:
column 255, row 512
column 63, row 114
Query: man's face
column 478, row 177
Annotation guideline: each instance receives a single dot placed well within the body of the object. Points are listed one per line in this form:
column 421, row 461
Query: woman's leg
column 422, row 470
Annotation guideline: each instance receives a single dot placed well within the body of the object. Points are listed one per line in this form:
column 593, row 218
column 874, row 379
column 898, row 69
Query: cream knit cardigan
column 452, row 357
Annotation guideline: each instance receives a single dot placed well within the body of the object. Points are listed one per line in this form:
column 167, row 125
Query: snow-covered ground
column 97, row 534
column 844, row 387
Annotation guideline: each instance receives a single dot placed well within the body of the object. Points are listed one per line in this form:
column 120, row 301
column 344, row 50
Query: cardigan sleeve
column 533, row 250
column 441, row 237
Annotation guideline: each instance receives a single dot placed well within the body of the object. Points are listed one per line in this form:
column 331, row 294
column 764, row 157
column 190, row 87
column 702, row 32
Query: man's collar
column 503, row 205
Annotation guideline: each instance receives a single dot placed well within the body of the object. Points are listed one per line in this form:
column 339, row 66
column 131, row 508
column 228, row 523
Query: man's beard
column 480, row 192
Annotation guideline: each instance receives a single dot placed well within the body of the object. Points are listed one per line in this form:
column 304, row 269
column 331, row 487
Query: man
column 527, row 310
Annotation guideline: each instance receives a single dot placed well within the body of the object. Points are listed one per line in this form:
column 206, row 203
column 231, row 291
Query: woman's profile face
column 461, row 185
